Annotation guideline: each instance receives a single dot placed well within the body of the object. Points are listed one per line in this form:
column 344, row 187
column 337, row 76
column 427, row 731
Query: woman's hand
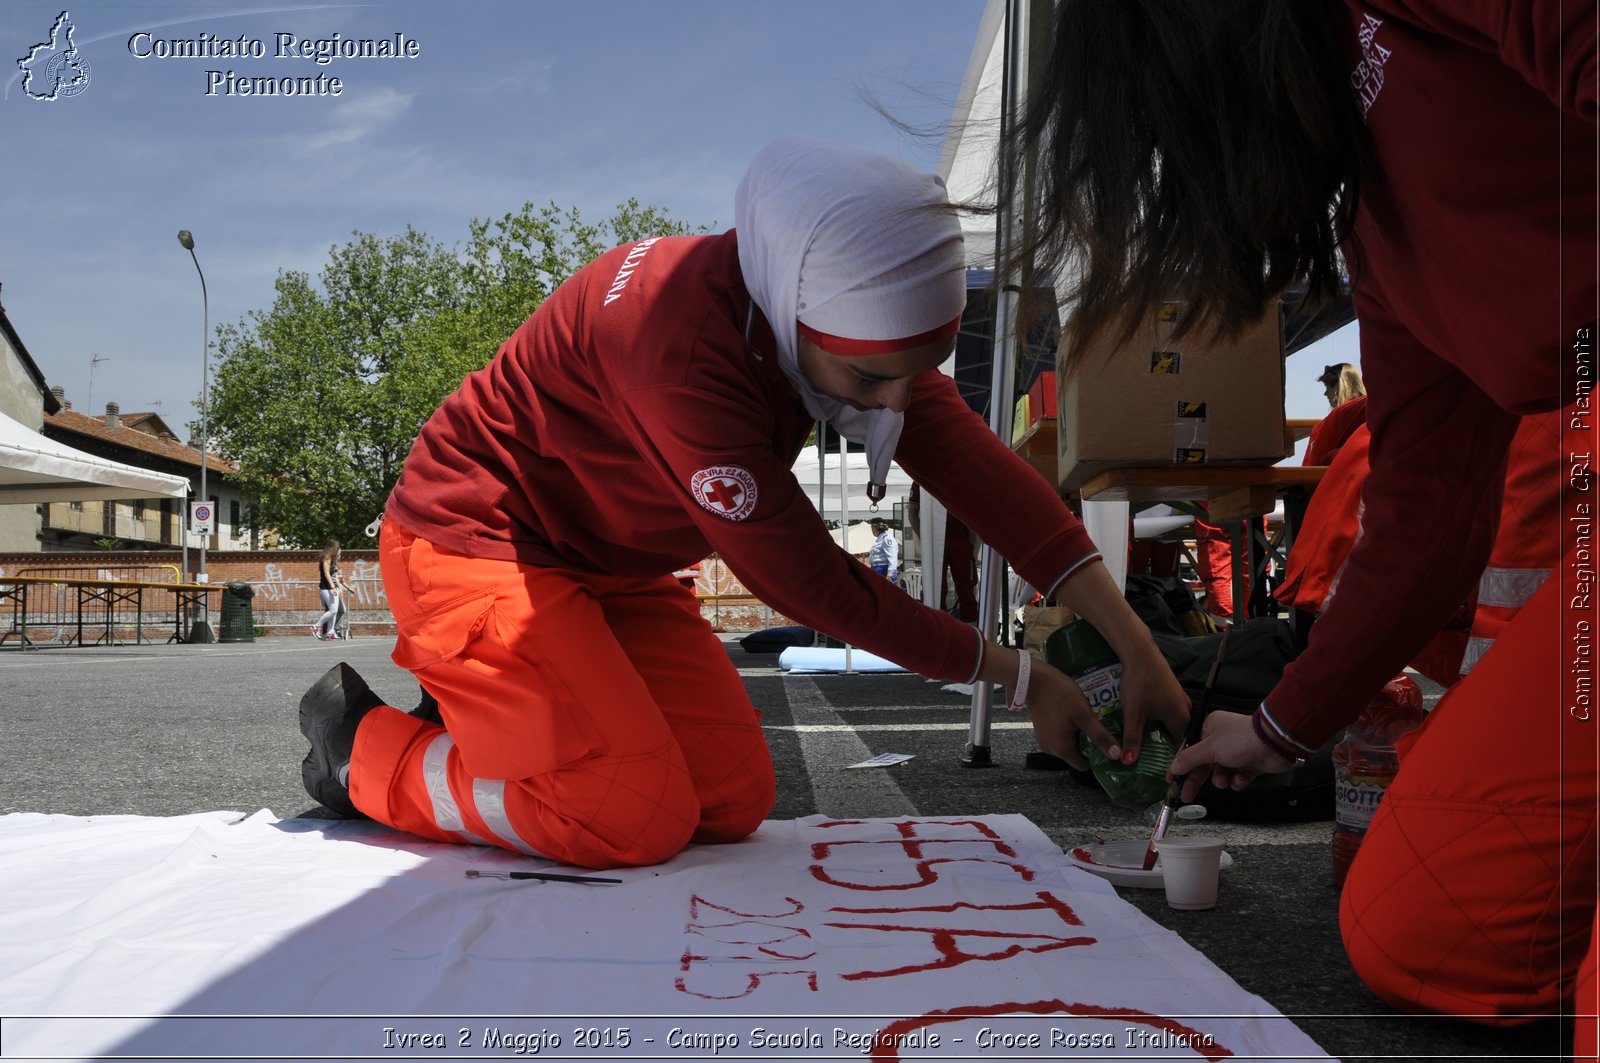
column 1149, row 689
column 1059, row 711
column 1056, row 706
column 1150, row 692
column 1228, row 753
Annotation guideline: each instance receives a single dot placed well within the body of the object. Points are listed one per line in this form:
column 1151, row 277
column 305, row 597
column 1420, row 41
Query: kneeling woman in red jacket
column 646, row 415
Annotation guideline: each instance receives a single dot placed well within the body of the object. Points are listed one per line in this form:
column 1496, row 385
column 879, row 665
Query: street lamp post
column 203, row 629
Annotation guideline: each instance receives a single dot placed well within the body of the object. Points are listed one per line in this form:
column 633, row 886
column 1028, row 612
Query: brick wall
column 284, row 582
column 286, row 602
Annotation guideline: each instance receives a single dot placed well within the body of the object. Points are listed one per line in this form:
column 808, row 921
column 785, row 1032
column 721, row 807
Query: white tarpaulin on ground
column 219, row 935
column 35, row 468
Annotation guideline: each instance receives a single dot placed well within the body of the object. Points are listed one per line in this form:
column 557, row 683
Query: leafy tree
column 320, row 396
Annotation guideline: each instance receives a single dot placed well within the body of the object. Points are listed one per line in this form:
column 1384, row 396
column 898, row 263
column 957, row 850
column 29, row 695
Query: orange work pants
column 594, row 720
column 1473, row 893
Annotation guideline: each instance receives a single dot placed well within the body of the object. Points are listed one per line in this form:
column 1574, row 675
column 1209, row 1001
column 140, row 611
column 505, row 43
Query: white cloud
column 362, row 116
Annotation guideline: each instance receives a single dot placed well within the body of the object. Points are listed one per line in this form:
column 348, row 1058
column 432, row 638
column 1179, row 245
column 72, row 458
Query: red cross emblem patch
column 729, row 491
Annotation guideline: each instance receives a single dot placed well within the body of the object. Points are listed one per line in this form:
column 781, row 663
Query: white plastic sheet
column 212, row 936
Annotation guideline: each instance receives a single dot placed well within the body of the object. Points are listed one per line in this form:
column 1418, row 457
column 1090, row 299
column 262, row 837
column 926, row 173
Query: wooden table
column 1297, row 428
column 1037, row 447
column 1231, row 492
column 1234, row 495
column 107, row 593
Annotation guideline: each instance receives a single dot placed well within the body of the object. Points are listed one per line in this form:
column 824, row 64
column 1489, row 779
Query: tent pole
column 991, row 590
column 822, row 468
column 844, row 514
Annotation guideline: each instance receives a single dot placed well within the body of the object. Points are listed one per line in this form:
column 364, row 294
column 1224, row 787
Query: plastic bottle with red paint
column 1364, row 764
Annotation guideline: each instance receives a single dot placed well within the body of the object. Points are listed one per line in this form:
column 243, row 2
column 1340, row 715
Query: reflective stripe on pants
column 1501, row 593
column 1473, row 892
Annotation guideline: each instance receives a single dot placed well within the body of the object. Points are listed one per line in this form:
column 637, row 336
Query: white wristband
column 1019, row 693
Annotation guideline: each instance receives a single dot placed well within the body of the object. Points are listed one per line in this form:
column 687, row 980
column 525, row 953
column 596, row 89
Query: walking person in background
column 884, row 557
column 1451, row 149
column 330, row 587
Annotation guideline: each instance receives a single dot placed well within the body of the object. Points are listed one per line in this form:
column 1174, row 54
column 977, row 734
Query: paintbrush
column 1197, row 719
column 541, row 876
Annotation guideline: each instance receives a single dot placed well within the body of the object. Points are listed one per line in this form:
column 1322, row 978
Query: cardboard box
column 1153, row 401
column 1042, row 396
column 1021, row 418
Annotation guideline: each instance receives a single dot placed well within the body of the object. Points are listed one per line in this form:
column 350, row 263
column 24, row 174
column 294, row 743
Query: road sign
column 201, row 515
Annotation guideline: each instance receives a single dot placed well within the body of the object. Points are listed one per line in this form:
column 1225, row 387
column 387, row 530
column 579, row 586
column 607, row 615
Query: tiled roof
column 71, row 422
column 149, row 423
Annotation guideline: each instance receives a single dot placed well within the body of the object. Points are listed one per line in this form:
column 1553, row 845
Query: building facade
column 146, row 441
column 25, row 398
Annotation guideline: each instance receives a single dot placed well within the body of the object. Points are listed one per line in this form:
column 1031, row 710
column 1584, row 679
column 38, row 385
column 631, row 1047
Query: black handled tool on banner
column 542, row 876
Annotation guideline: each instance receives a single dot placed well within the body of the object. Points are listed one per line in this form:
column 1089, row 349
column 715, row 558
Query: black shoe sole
column 330, row 712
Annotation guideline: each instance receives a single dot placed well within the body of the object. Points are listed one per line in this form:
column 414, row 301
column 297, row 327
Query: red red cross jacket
column 630, row 427
column 1474, row 272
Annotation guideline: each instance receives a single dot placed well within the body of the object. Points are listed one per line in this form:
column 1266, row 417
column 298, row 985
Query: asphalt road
column 170, row 730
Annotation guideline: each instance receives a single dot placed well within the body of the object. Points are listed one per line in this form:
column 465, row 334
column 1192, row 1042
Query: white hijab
column 851, row 242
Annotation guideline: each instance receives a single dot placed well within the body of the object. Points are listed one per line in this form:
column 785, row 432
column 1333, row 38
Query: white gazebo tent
column 35, row 468
column 821, row 482
column 991, row 99
column 993, row 93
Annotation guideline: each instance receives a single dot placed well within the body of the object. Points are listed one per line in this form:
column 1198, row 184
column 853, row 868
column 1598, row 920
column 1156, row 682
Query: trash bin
column 238, row 620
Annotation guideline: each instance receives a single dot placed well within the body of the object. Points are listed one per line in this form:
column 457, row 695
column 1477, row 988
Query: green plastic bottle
column 1084, row 654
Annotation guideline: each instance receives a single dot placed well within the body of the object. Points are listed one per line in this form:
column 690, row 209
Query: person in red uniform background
column 1347, row 411
column 646, row 415
column 1451, row 149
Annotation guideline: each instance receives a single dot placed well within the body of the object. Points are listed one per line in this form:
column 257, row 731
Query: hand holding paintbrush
column 1197, row 719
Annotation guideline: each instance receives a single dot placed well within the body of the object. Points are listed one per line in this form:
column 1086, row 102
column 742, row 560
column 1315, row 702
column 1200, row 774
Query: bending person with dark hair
column 1450, row 148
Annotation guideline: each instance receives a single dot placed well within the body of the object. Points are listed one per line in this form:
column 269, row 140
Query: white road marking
column 828, row 746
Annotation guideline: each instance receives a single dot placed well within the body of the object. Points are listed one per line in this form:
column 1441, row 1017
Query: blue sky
column 582, row 103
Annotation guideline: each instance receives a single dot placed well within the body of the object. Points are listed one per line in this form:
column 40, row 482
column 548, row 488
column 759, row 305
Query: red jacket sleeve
column 951, row 452
column 1430, row 506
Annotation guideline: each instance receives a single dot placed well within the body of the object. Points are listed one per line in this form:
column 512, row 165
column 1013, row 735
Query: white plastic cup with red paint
column 1190, row 867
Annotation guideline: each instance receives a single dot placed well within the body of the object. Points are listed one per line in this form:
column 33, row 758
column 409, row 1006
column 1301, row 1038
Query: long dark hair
column 1202, row 150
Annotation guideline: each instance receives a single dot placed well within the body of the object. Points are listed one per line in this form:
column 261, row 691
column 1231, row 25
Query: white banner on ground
column 217, row 935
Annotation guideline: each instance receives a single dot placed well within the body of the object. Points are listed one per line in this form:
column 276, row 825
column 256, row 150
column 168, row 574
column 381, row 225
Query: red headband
column 849, row 348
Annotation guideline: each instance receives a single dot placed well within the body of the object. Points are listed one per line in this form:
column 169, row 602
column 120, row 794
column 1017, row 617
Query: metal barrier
column 127, row 573
column 74, row 610
column 64, row 613
column 56, row 612
column 740, row 607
